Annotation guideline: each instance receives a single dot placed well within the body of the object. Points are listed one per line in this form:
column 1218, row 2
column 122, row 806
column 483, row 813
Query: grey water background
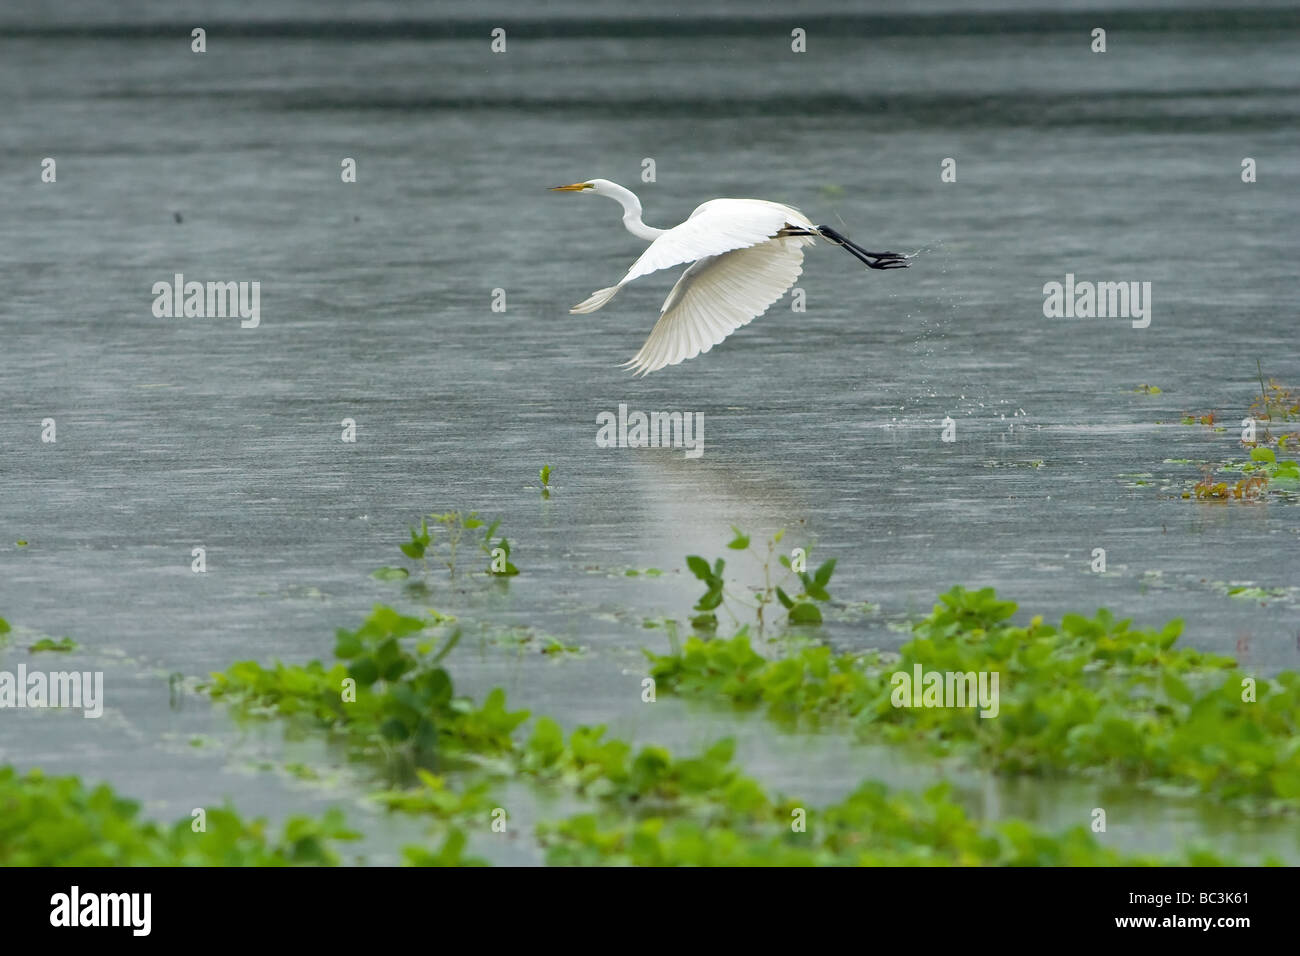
column 376, row 306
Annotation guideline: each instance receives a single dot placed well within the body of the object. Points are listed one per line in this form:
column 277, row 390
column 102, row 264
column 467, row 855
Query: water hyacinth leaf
column 823, row 575
column 699, row 567
column 805, row 613
column 390, row 573
column 364, row 671
column 1170, row 633
column 347, row 645
column 712, row 598
column 63, row 645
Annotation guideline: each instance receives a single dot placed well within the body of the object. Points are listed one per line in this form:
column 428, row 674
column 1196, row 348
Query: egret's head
column 593, row 187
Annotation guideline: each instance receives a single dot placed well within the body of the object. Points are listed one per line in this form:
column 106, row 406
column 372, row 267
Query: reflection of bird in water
column 744, row 254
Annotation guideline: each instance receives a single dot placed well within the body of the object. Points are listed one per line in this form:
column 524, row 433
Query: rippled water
column 376, row 306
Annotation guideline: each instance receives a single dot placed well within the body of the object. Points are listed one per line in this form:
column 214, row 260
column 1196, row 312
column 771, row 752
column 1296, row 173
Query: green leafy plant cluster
column 657, row 810
column 1088, row 695
column 63, row 645
column 802, row 608
column 651, row 807
column 59, row 821
column 1262, row 474
column 1264, row 461
column 404, row 702
column 434, row 797
column 442, row 543
column 1276, row 403
column 871, row 827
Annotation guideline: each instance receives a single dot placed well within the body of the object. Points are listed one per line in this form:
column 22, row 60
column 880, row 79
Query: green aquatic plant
column 1263, row 474
column 1253, row 593
column 650, row 807
column 657, row 810
column 545, row 476
column 871, row 827
column 802, row 608
column 388, row 694
column 1089, row 694
column 498, row 553
column 64, row 645
column 59, row 821
column 433, row 797
column 452, row 853
column 1276, row 403
column 443, row 540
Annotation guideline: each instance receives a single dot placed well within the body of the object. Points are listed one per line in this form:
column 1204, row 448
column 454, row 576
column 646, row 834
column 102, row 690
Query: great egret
column 744, row 254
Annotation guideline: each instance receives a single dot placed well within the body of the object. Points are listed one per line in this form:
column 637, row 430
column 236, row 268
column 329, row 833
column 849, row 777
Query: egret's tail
column 597, row 300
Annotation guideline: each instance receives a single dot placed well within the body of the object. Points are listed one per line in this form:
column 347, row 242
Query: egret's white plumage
column 744, row 253
column 717, row 295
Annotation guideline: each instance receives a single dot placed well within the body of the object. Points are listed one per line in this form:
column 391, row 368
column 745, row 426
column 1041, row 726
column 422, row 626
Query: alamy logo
column 946, row 689
column 82, row 689
column 215, row 300
column 103, row 909
column 1102, row 300
column 656, row 430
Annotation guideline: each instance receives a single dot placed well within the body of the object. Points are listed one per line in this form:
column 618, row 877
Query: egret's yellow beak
column 575, row 187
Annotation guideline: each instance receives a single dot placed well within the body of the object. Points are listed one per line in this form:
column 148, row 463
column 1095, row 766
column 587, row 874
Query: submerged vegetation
column 650, row 808
column 1261, row 474
column 388, row 695
column 871, row 827
column 1276, row 403
column 1267, row 473
column 442, row 543
column 58, row 821
column 1088, row 695
column 800, row 609
column 63, row 645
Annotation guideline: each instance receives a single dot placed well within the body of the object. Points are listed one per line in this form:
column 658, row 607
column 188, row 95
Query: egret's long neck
column 632, row 214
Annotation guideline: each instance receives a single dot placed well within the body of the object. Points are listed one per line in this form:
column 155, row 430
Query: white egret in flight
column 744, row 254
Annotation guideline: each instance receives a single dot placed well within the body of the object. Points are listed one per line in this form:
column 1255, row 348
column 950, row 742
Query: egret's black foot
column 872, row 260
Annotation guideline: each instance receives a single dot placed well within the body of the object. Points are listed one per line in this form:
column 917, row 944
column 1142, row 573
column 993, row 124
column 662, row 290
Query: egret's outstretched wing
column 717, row 295
column 715, row 227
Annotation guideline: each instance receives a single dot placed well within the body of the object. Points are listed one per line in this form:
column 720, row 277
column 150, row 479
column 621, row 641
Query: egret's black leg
column 872, row 260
